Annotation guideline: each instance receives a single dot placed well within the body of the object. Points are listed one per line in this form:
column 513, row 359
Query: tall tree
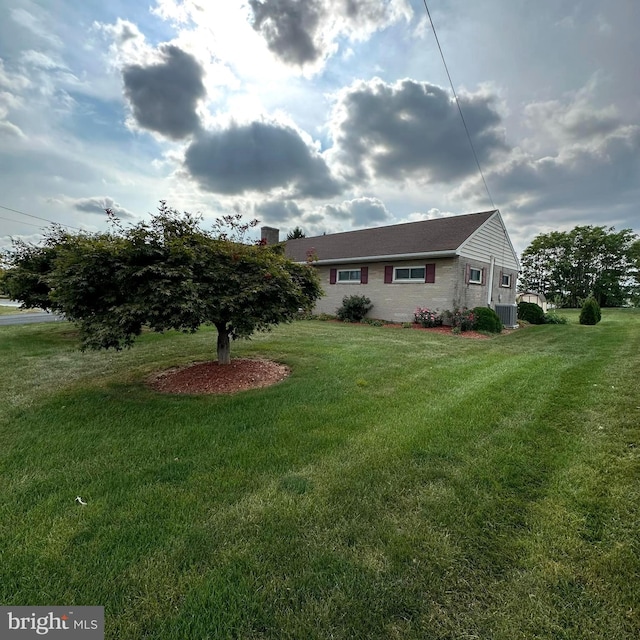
column 634, row 273
column 568, row 266
column 297, row 232
column 167, row 274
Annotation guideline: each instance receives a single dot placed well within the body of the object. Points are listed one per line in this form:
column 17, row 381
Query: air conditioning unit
column 508, row 314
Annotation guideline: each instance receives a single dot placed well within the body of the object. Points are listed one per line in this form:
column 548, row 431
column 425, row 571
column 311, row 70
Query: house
column 533, row 296
column 445, row 263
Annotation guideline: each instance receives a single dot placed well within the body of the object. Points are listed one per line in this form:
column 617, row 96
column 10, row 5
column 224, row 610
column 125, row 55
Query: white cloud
column 164, row 96
column 9, row 130
column 39, row 25
column 98, row 205
column 410, row 130
column 14, row 82
column 260, row 156
column 305, row 34
column 360, row 212
column 575, row 118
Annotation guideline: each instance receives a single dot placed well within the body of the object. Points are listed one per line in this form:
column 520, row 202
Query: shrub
column 590, row 313
column 487, row 319
column 324, row 317
column 427, row 318
column 374, row 322
column 531, row 312
column 407, row 325
column 460, row 319
column 553, row 318
column 354, row 308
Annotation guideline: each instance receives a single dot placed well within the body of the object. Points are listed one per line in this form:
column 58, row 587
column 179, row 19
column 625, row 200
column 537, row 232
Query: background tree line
column 569, row 266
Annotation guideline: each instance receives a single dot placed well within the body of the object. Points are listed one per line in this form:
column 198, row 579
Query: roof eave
column 451, row 253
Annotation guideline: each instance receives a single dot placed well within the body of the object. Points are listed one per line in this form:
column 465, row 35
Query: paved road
column 30, row 318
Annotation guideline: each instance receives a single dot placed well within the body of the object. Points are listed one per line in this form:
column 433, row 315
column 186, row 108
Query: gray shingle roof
column 426, row 236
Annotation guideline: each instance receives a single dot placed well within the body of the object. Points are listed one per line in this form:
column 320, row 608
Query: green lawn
column 6, row 310
column 398, row 485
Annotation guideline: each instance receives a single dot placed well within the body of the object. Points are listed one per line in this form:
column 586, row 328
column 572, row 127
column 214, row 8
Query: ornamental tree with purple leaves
column 168, row 273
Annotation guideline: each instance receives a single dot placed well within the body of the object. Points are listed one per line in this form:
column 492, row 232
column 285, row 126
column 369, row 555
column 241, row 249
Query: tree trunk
column 224, row 347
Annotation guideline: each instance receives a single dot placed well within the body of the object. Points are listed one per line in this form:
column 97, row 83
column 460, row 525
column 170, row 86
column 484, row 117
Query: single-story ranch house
column 442, row 264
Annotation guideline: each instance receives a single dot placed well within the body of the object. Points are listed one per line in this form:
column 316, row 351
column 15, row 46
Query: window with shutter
column 349, row 276
column 475, row 275
column 409, row 274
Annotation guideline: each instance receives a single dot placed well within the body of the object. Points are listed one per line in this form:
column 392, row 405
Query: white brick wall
column 398, row 301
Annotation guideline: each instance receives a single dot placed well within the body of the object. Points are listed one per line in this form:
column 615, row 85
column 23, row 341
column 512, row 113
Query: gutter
column 385, row 258
column 492, row 264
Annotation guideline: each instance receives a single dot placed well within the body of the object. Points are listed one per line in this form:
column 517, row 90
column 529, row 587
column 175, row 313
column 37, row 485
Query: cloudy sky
column 326, row 114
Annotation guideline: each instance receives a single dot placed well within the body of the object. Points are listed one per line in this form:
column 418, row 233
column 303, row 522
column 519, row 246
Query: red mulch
column 473, row 335
column 211, row 377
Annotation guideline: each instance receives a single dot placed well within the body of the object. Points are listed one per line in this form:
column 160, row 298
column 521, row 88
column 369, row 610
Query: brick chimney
column 270, row 235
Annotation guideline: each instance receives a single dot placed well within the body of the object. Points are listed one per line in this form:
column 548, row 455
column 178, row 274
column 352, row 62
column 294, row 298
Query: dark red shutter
column 467, row 274
column 483, row 272
column 501, row 274
column 430, row 273
column 388, row 275
column 364, row 275
column 333, row 275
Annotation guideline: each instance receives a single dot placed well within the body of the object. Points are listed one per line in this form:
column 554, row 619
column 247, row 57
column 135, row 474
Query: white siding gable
column 491, row 239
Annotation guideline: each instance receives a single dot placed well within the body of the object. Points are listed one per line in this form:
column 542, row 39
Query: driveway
column 30, row 318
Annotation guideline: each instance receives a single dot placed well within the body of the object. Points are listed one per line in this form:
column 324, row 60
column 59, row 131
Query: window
column 505, row 280
column 475, row 276
column 409, row 274
column 352, row 275
column 349, row 276
column 404, row 274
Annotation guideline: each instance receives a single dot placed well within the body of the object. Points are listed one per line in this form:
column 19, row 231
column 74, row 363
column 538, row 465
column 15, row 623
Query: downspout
column 492, row 262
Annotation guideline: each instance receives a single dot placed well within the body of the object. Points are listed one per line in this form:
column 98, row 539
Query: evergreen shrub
column 590, row 312
column 531, row 312
column 487, row 319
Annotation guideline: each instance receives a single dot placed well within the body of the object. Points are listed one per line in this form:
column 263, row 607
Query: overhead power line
column 455, row 95
column 29, row 215
column 30, row 224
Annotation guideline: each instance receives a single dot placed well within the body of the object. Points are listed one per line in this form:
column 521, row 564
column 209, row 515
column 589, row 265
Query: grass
column 397, row 485
column 6, row 310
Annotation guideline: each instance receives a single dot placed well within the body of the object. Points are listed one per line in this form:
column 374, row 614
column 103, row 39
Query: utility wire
column 30, row 224
column 455, row 95
column 29, row 215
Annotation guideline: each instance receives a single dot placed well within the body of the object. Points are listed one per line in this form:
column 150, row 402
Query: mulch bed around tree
column 210, row 377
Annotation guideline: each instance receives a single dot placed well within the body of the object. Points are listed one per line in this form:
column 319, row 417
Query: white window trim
column 508, row 285
column 473, row 280
column 410, row 280
column 339, row 271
